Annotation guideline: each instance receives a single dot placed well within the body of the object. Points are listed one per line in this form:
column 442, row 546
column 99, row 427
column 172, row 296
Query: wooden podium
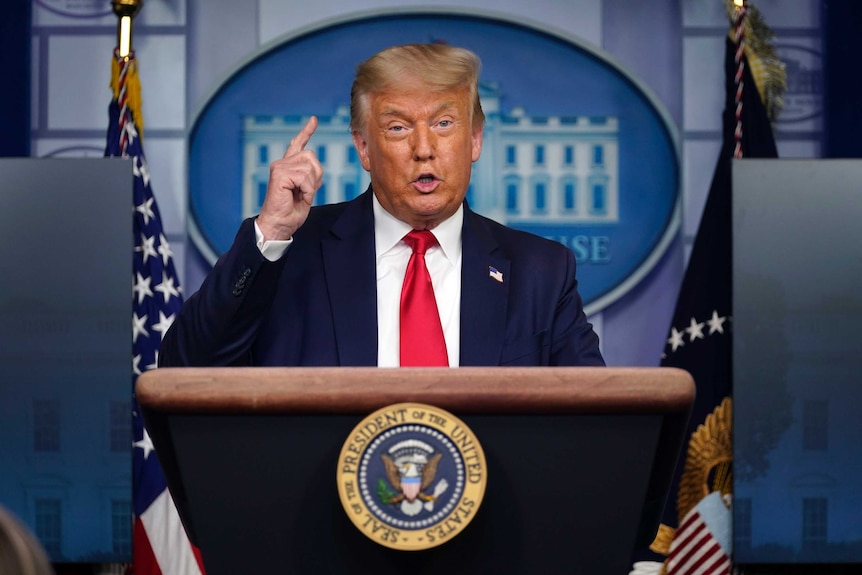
column 579, row 461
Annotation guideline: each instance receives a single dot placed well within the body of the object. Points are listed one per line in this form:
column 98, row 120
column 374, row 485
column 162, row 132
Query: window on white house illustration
column 540, row 155
column 540, row 197
column 512, row 196
column 599, row 197
column 569, row 156
column 814, row 521
column 511, row 155
column 598, row 156
column 121, row 526
column 261, row 193
column 570, row 199
column 49, row 524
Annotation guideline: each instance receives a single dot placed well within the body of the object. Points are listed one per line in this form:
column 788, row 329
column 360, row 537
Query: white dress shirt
column 392, row 255
column 444, row 265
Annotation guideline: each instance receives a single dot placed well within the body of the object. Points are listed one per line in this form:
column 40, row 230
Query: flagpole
column 124, row 77
column 739, row 13
column 125, row 10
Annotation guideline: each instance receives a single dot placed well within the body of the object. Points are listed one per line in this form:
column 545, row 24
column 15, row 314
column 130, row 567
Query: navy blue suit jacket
column 317, row 305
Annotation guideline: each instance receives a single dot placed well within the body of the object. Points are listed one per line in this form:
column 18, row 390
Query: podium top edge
column 351, row 390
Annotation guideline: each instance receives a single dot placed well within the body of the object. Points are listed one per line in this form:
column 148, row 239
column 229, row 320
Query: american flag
column 702, row 542
column 160, row 544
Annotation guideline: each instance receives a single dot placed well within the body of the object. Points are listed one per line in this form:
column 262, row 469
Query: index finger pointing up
column 297, row 144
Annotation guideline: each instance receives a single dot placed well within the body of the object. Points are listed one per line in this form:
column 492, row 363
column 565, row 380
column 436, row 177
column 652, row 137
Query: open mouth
column 426, row 183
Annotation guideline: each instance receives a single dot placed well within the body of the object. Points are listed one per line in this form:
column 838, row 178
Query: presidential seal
column 411, row 476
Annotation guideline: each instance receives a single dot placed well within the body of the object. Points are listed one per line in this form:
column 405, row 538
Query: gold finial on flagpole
column 769, row 72
column 125, row 11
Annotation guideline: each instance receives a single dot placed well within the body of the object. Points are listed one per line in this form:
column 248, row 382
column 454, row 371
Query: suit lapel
column 483, row 297
column 352, row 283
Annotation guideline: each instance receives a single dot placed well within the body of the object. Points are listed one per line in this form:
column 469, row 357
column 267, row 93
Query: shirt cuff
column 271, row 249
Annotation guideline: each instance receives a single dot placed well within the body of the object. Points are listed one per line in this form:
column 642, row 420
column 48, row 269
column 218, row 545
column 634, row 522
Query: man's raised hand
column 293, row 181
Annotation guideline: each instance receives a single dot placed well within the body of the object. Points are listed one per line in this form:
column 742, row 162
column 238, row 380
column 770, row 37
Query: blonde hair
column 20, row 551
column 435, row 67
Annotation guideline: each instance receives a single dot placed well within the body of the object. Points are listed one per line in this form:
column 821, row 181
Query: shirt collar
column 388, row 231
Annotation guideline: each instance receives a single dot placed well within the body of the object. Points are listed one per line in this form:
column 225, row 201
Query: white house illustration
column 533, row 169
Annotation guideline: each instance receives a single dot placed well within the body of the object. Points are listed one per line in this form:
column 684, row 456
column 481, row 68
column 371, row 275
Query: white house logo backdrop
column 411, row 476
column 574, row 148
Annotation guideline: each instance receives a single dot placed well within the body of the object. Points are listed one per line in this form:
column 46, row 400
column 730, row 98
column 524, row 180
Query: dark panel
column 15, row 71
column 842, row 84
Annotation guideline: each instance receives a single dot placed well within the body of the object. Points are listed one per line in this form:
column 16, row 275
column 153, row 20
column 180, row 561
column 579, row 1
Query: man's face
column 419, row 147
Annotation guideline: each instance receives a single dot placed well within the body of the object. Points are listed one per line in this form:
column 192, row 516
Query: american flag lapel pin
column 495, row 273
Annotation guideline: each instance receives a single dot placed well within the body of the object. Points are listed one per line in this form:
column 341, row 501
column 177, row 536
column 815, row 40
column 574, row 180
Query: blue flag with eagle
column 160, row 544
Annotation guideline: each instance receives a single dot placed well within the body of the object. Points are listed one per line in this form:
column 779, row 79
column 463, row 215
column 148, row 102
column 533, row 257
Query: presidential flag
column 160, row 544
column 700, row 335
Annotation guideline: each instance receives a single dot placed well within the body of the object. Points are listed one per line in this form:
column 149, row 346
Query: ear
column 477, row 143
column 362, row 149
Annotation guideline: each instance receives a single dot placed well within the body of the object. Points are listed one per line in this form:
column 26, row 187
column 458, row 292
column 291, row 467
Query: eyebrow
column 398, row 113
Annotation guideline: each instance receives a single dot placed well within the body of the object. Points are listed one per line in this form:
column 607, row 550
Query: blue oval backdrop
column 575, row 148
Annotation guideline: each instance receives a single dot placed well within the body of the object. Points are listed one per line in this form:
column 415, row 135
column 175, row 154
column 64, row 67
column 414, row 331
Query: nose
column 424, row 143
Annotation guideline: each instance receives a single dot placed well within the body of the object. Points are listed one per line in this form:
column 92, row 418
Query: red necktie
column 422, row 342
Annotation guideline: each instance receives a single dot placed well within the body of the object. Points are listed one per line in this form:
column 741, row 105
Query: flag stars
column 716, row 323
column 140, row 169
column 139, row 359
column 146, row 444
column 147, row 247
column 146, row 210
column 131, row 136
column 139, row 327
column 155, row 363
column 131, row 131
column 141, row 287
column 695, row 330
column 676, row 339
column 164, row 323
column 167, row 288
column 165, row 249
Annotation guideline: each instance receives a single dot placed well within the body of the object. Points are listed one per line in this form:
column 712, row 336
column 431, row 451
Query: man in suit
column 321, row 286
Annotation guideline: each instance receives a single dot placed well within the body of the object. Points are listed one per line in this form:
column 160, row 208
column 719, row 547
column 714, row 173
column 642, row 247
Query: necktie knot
column 420, row 240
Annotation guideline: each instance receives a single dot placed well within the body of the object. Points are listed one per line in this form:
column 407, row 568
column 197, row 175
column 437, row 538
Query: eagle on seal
column 410, row 477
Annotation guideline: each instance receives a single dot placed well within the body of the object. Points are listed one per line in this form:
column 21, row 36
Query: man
column 321, row 286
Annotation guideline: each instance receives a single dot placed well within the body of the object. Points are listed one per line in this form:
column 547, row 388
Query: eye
column 445, row 123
